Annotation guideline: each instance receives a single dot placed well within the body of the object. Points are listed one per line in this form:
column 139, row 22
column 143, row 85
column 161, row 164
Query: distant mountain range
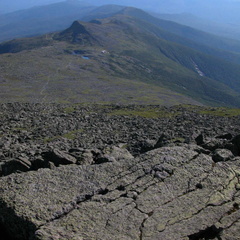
column 122, row 54
column 57, row 16
column 7, row 6
column 228, row 30
column 43, row 19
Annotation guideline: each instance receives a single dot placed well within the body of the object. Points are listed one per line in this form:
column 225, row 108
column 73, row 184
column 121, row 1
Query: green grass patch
column 69, row 109
column 222, row 112
column 51, row 139
column 19, row 129
column 72, row 135
column 145, row 113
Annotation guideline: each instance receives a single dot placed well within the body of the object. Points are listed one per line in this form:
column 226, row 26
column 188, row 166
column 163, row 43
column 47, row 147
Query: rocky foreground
column 119, row 172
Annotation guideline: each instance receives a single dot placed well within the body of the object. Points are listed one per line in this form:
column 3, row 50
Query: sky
column 13, row 5
column 21, row 4
column 219, row 10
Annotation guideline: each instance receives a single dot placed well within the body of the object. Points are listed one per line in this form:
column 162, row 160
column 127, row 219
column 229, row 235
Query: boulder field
column 81, row 172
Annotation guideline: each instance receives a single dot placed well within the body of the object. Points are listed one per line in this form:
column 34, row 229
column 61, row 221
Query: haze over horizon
column 226, row 11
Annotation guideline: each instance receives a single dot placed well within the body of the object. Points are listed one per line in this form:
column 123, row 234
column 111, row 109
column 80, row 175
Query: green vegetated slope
column 117, row 59
column 104, row 11
column 220, row 47
column 190, row 33
column 58, row 16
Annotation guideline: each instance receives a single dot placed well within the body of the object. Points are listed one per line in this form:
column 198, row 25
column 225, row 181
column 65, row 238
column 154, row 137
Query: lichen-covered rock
column 154, row 196
column 112, row 154
column 109, row 174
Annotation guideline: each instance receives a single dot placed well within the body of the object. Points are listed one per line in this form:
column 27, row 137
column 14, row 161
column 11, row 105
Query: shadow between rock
column 13, row 227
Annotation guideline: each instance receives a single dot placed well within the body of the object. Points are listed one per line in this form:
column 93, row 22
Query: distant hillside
column 197, row 39
column 55, row 17
column 210, row 44
column 58, row 16
column 221, row 29
column 13, row 5
column 222, row 11
column 117, row 59
column 40, row 20
column 104, row 11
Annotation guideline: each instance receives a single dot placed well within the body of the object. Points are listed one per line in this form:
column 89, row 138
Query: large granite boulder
column 168, row 193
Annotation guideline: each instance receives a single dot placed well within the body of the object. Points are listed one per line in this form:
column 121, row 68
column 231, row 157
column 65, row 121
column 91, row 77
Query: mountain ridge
column 119, row 48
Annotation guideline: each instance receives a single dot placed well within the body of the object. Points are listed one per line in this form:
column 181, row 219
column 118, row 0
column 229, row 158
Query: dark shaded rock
column 236, row 143
column 210, row 233
column 87, row 157
column 19, row 165
column 83, row 156
column 162, row 141
column 227, row 136
column 58, row 157
column 214, row 143
column 221, row 155
column 146, row 145
column 200, row 139
column 199, row 185
column 38, row 162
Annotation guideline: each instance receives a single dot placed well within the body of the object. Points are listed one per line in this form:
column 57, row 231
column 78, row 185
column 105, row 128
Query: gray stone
column 173, row 192
column 112, row 154
column 119, row 200
column 222, row 155
column 59, row 157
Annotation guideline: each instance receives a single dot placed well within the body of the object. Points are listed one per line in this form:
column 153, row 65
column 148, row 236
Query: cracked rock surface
column 170, row 189
column 126, row 199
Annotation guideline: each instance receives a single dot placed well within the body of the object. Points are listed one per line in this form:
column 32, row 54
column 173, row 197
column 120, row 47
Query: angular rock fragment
column 227, row 136
column 58, row 157
column 236, row 142
column 222, row 155
column 200, row 139
column 162, row 141
column 112, row 154
column 19, row 165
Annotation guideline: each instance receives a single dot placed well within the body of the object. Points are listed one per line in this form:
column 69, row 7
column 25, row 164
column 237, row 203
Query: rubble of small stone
column 87, row 172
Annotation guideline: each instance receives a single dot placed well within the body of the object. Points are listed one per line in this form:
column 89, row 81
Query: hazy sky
column 11, row 5
column 220, row 10
column 20, row 4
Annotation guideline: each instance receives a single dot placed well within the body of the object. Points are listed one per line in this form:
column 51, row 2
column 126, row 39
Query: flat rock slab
column 167, row 193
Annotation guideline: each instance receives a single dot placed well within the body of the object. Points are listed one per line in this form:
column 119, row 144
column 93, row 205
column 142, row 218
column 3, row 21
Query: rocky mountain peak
column 76, row 33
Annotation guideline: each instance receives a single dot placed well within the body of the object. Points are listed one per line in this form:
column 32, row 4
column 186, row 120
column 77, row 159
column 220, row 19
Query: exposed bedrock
column 102, row 176
column 168, row 193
